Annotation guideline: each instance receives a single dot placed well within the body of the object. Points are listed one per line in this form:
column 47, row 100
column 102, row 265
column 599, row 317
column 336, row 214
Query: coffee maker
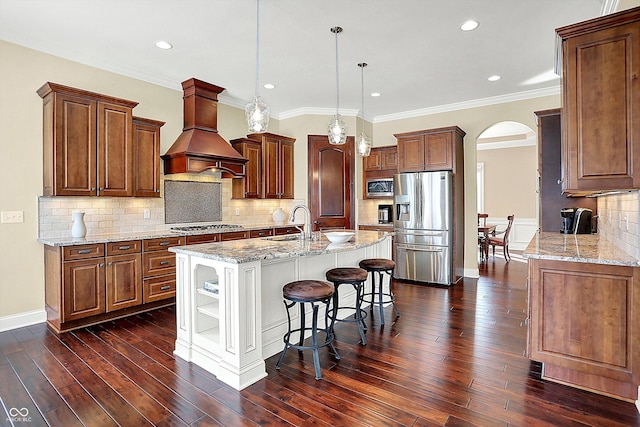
column 385, row 214
column 576, row 220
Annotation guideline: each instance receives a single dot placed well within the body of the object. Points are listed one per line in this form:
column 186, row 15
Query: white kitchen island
column 229, row 309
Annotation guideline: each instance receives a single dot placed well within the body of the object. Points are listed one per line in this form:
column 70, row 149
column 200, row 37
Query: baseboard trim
column 20, row 320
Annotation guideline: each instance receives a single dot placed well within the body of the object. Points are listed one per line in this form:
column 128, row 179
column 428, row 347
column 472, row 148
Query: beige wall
column 510, row 176
column 23, row 71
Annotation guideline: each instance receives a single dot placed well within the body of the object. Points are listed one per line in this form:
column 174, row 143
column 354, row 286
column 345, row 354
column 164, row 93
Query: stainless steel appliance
column 567, row 215
column 380, row 187
column 385, row 214
column 423, row 226
column 582, row 221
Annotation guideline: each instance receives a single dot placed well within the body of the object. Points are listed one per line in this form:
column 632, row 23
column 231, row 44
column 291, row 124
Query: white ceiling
column 418, row 58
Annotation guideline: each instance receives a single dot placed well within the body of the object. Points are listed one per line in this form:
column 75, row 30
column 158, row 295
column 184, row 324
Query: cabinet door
column 411, row 154
column 249, row 186
column 373, row 162
column 123, row 282
column 146, row 158
column 602, row 109
column 438, row 151
column 75, row 146
column 83, row 289
column 159, row 288
column 286, row 171
column 115, row 150
column 389, row 158
column 270, row 161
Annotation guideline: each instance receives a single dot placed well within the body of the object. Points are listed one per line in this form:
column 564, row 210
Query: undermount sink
column 284, row 238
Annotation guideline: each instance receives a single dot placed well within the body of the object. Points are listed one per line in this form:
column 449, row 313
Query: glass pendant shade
column 257, row 114
column 363, row 145
column 337, row 130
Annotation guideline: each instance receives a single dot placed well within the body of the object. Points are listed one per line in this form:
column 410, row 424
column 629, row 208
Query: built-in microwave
column 380, row 187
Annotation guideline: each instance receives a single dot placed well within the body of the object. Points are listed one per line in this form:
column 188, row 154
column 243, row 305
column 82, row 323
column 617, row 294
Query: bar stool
column 313, row 292
column 349, row 276
column 380, row 266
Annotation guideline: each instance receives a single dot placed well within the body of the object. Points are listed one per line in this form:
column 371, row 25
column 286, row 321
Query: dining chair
column 482, row 243
column 501, row 238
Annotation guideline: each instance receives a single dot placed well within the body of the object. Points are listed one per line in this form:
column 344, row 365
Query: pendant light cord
column 257, row 44
column 362, row 91
column 337, row 79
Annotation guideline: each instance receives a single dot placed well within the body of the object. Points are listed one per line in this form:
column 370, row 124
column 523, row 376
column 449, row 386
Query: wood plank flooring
column 455, row 357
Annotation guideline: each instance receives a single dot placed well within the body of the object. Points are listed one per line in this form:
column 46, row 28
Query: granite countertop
column 375, row 224
column 588, row 248
column 119, row 237
column 248, row 250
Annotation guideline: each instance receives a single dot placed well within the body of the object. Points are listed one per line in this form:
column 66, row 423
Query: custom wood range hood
column 199, row 147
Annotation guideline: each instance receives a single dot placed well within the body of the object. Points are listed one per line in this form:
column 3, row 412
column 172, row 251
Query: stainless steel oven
column 380, row 187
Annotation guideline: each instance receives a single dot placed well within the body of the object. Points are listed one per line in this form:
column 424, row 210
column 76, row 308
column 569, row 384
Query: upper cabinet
column 269, row 171
column 87, row 143
column 430, row 150
column 146, row 157
column 601, row 103
column 382, row 162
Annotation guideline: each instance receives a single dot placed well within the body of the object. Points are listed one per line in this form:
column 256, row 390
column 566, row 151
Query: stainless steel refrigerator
column 427, row 240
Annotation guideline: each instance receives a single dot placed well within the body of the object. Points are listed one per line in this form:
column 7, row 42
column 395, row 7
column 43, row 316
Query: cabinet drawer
column 158, row 288
column 158, row 263
column 261, row 233
column 161, row 243
column 234, row 235
column 82, row 251
column 202, row 238
column 287, row 230
column 120, row 248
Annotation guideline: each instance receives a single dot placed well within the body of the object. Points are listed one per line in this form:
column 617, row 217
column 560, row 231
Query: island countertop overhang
column 249, row 250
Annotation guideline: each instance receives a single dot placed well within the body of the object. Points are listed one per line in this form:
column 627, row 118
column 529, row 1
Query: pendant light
column 363, row 143
column 337, row 129
column 257, row 112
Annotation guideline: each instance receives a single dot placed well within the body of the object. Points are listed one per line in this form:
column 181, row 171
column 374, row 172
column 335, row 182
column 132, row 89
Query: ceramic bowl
column 339, row 236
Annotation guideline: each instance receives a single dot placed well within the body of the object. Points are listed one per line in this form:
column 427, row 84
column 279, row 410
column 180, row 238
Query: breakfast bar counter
column 230, row 314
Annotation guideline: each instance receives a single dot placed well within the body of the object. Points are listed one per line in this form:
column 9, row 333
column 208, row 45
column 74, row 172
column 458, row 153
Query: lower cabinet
column 159, row 268
column 584, row 325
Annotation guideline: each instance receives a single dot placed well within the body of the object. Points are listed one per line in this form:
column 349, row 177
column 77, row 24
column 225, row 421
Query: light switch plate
column 8, row 217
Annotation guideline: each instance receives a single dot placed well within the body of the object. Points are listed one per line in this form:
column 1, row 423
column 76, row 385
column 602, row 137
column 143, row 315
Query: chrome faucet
column 306, row 233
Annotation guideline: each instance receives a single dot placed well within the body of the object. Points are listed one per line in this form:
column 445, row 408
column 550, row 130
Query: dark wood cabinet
column 550, row 173
column 87, row 143
column 123, row 282
column 146, row 157
column 430, row 150
column 584, row 325
column 250, row 185
column 83, row 294
column 601, row 106
column 381, row 163
column 261, row 233
column 270, row 167
column 159, row 268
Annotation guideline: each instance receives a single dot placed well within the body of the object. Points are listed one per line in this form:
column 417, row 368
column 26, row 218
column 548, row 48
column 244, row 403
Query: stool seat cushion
column 347, row 274
column 375, row 264
column 307, row 290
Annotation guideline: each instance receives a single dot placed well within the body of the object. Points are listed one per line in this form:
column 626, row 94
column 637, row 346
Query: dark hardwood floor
column 455, row 357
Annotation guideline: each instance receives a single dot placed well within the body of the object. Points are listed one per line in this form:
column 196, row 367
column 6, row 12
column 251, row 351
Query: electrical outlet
column 147, row 214
column 9, row 217
column 626, row 222
column 237, row 211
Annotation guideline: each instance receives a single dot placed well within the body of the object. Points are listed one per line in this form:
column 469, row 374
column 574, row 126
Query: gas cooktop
column 205, row 227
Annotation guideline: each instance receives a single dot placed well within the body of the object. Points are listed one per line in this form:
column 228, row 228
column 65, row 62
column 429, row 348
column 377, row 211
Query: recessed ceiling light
column 375, row 94
column 494, row 78
column 469, row 25
column 163, row 45
column 269, row 86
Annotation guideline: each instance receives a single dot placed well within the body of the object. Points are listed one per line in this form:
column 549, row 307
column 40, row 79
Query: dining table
column 485, row 230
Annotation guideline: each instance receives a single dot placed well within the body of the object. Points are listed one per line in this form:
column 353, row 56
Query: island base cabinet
column 584, row 325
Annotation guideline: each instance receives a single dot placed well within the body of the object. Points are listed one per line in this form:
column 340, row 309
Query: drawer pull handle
column 165, row 288
column 110, row 263
column 164, row 262
column 123, row 248
column 164, row 243
column 101, row 264
column 84, row 251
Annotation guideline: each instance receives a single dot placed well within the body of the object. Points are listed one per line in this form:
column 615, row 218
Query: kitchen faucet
column 306, row 233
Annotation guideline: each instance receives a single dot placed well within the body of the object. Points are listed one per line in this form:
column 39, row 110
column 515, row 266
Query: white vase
column 78, row 229
column 279, row 216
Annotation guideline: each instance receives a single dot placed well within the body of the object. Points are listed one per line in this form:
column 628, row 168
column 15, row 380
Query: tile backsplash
column 106, row 215
column 619, row 219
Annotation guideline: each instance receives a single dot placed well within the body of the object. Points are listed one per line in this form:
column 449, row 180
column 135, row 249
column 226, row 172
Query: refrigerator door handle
column 420, row 248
